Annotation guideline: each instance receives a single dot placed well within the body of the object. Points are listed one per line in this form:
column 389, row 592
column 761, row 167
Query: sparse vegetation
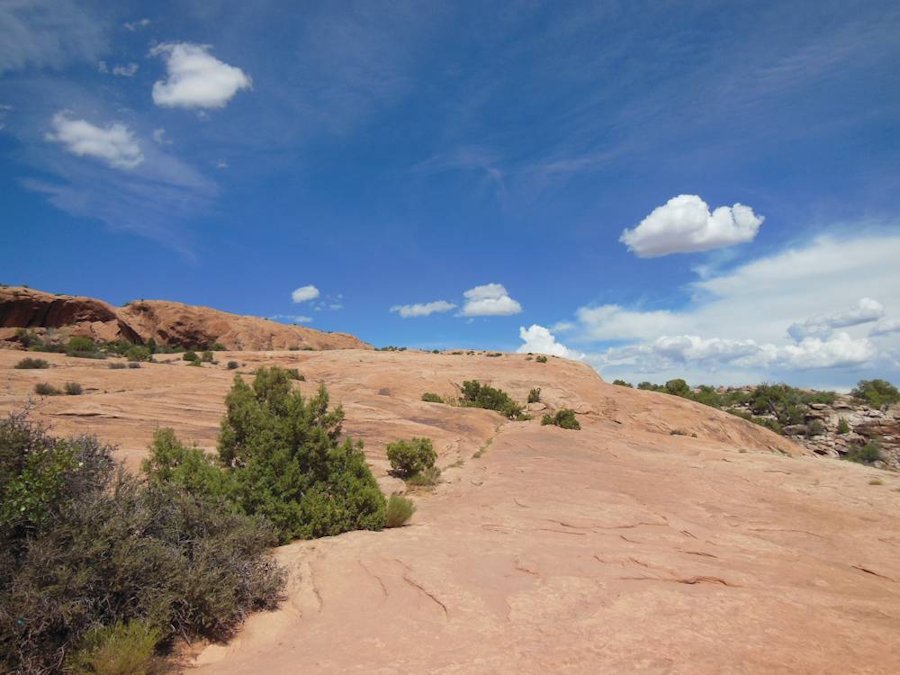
column 534, row 396
column 477, row 395
column 564, row 418
column 98, row 567
column 876, row 393
column 409, row 458
column 45, row 389
column 622, row 383
column 843, row 427
column 398, row 511
column 207, row 357
column 29, row 363
column 866, row 454
column 425, row 478
column 137, row 353
column 233, row 365
column 83, row 347
column 191, row 356
column 294, row 374
column 73, row 389
column 816, row 428
column 430, row 397
column 541, row 359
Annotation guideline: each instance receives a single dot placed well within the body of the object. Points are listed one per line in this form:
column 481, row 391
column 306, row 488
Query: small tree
column 622, row 383
column 412, row 457
column 876, row 393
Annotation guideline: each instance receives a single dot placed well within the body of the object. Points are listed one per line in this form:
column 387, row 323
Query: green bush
column 541, row 359
column 649, row 386
column 398, row 511
column 29, row 363
column 207, row 357
column 843, row 426
column 295, row 374
column 73, row 389
column 477, row 395
column 83, row 347
column 678, row 387
column 409, row 458
column 622, row 383
column 866, row 454
column 138, row 353
column 233, row 365
column 191, row 356
column 120, row 649
column 564, row 418
column 876, row 393
column 218, row 347
column 289, row 464
column 85, row 545
column 429, row 397
column 534, row 396
column 187, row 468
column 46, row 389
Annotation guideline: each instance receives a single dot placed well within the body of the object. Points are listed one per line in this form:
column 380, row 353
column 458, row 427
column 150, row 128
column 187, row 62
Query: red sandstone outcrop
column 172, row 324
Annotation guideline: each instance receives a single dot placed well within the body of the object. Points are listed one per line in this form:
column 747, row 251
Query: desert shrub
column 409, row 458
column 477, row 395
column 678, row 387
column 233, row 365
column 430, row 397
column 191, row 356
column 217, row 347
column 815, row 428
column 46, row 389
column 866, row 454
column 534, row 396
column 120, row 649
column 295, row 374
column 27, row 338
column 137, row 353
column 188, row 468
column 564, row 418
column 876, row 393
column 29, row 363
column 83, row 347
column 85, row 545
column 622, row 383
column 206, row 357
column 428, row 477
column 707, row 396
column 541, row 359
column 398, row 510
column 289, row 464
column 843, row 427
column 648, row 386
column 134, row 364
column 73, row 389
column 116, row 365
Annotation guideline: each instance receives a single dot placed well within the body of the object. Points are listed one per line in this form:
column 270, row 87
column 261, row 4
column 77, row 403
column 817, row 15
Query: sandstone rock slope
column 168, row 323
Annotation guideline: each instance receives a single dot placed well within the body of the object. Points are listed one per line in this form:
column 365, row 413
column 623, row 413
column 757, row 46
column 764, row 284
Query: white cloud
column 305, row 293
column 196, row 79
column 115, row 144
column 865, row 311
column 885, row 327
column 291, row 318
column 136, row 25
column 685, row 225
column 489, row 300
column 423, row 309
column 539, row 340
column 128, row 70
column 735, row 322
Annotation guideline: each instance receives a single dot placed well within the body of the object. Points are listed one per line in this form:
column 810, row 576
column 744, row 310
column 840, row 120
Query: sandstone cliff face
column 172, row 324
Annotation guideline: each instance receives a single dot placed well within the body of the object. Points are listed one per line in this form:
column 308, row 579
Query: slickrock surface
column 168, row 323
column 618, row 548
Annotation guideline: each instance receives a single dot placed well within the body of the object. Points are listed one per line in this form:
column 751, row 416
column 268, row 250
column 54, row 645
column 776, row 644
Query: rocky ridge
column 55, row 318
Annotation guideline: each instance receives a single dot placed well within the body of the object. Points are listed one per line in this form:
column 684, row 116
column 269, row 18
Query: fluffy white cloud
column 736, row 322
column 685, row 224
column 489, row 300
column 196, row 79
column 305, row 293
column 423, row 309
column 866, row 311
column 539, row 340
column 115, row 144
column 885, row 327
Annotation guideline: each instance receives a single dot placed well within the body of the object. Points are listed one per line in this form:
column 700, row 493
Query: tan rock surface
column 168, row 323
column 618, row 548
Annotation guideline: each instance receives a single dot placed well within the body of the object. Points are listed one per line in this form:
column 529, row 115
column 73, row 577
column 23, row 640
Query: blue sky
column 698, row 189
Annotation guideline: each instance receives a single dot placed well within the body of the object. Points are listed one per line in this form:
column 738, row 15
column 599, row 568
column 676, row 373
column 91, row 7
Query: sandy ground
column 618, row 548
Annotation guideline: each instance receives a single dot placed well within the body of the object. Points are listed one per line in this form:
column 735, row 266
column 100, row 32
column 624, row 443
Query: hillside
column 665, row 536
column 169, row 324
